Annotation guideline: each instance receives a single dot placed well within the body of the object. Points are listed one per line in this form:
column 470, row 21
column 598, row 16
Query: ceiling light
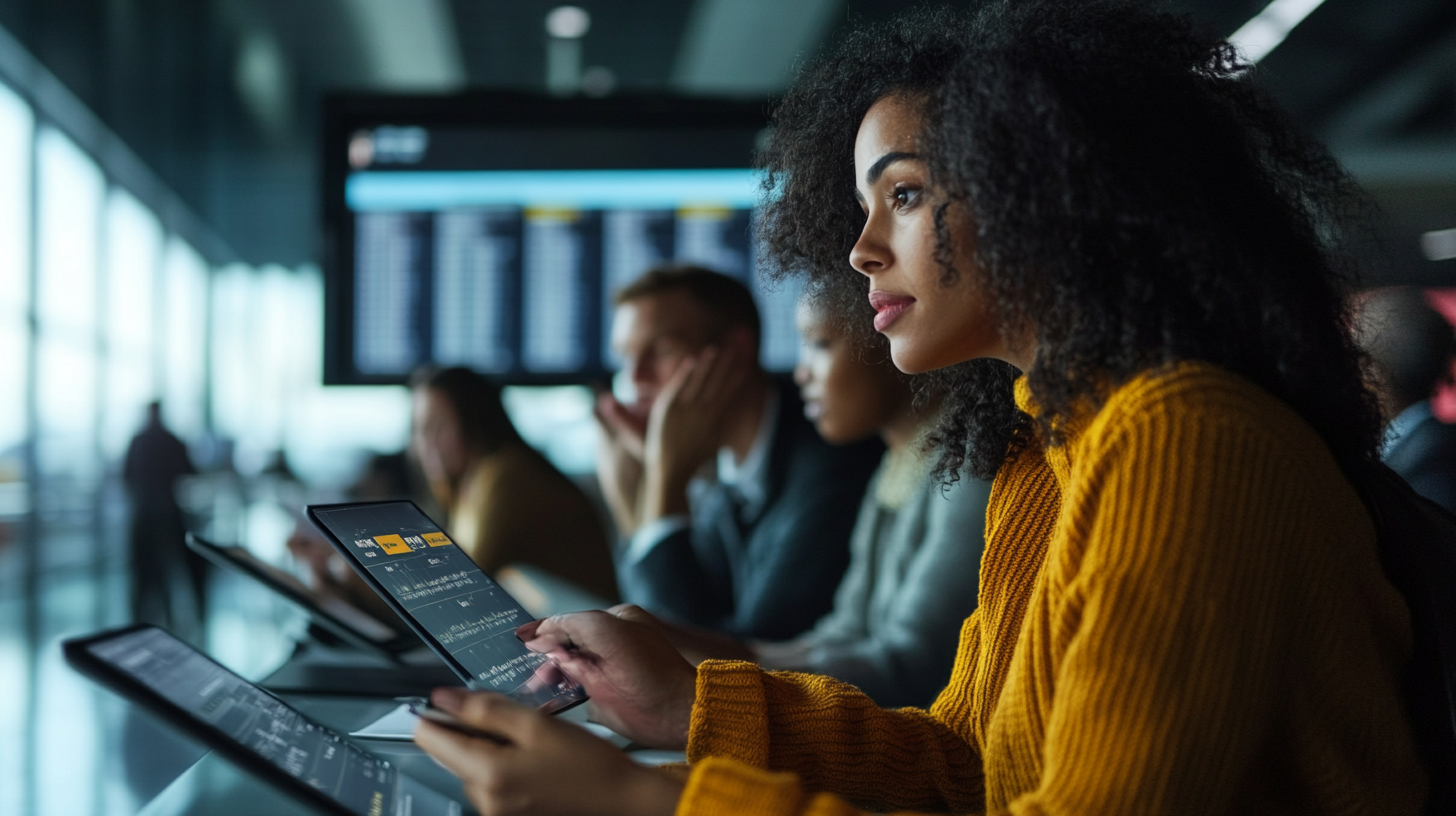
column 568, row 22
column 1439, row 245
column 1256, row 38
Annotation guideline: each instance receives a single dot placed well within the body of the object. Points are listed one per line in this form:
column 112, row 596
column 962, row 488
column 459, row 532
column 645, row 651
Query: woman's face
column 436, row 436
column 845, row 397
column 931, row 321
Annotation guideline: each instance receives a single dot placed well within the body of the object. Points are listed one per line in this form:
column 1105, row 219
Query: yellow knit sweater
column 1182, row 612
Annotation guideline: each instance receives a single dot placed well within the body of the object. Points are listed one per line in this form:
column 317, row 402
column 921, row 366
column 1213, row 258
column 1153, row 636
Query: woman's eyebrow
column 872, row 175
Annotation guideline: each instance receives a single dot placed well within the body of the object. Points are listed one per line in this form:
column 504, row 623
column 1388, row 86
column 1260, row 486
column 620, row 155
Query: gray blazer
column 912, row 581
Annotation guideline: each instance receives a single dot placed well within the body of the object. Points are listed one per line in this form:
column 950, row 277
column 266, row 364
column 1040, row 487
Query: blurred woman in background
column 505, row 503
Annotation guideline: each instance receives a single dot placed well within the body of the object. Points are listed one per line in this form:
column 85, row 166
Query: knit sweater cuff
column 729, row 714
column 727, row 787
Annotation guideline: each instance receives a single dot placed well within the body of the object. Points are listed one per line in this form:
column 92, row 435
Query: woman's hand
column 640, row 686
column 547, row 766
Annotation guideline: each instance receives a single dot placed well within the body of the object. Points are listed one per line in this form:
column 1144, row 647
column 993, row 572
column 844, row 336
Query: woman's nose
column 870, row 253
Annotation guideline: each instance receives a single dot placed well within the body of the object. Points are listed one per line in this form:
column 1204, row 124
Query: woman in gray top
column 915, row 552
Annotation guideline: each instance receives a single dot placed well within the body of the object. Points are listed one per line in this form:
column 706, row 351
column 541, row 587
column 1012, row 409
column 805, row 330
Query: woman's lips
column 888, row 308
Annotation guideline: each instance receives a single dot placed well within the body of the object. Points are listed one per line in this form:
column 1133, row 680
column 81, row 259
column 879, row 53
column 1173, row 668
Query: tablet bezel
column 78, row 654
column 391, row 649
column 438, row 648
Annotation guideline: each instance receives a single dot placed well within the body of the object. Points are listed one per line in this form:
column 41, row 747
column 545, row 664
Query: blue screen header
column 576, row 189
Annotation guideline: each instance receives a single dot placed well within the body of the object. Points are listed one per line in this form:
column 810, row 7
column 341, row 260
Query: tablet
column 454, row 607
column 250, row 726
column 346, row 621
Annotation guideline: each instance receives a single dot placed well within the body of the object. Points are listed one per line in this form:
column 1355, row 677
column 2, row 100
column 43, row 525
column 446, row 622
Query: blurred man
column 1411, row 346
column 168, row 580
column 735, row 513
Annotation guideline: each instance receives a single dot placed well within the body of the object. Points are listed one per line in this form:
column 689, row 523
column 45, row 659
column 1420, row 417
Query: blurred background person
column 517, row 516
column 1411, row 346
column 735, row 512
column 505, row 504
column 168, row 581
column 915, row 553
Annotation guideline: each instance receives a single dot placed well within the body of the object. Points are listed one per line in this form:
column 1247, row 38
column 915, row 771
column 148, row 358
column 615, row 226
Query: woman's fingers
column 561, row 634
column 462, row 755
column 448, row 698
column 496, row 714
column 527, row 631
column 636, row 614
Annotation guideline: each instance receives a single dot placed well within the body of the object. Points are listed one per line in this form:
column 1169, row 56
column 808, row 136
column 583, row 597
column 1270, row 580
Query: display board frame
column 347, row 114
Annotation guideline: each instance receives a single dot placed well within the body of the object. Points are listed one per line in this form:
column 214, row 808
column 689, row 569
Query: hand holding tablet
column 454, row 607
column 505, row 750
column 546, row 765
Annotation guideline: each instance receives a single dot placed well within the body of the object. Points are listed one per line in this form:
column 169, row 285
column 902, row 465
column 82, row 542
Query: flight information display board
column 492, row 231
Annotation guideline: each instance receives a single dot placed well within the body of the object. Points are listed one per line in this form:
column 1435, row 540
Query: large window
column 16, row 129
column 104, row 308
column 70, row 191
column 184, row 346
column 131, row 261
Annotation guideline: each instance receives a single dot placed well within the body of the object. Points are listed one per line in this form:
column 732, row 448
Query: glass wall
column 16, row 137
column 103, row 310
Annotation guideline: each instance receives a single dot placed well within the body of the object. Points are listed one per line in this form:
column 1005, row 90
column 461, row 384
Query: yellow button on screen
column 436, row 539
column 393, row 544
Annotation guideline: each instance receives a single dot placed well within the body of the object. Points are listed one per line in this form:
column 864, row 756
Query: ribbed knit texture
column 1182, row 612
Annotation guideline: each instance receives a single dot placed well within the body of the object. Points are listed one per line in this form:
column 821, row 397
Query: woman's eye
column 905, row 196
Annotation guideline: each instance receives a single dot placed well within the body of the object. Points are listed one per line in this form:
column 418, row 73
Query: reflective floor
column 61, row 736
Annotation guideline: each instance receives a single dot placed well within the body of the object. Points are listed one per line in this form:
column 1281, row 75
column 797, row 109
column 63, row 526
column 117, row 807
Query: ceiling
column 221, row 97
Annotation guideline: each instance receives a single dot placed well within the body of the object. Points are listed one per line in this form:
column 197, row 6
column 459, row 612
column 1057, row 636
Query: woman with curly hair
column 1128, row 271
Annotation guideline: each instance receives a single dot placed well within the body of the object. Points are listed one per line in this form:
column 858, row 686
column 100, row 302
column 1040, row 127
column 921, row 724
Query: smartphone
column 456, row 609
column 422, row 707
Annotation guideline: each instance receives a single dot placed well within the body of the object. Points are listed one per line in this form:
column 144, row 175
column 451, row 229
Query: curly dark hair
column 1137, row 202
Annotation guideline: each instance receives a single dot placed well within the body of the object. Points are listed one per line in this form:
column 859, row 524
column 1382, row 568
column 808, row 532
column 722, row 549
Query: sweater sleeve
column 833, row 737
column 728, row 788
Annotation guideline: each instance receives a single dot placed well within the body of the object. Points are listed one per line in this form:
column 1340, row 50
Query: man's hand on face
column 687, row 426
column 624, row 427
column 619, row 460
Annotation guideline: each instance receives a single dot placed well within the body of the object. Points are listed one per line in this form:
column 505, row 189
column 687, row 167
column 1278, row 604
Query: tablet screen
column 469, row 619
column 356, row 619
column 263, row 725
